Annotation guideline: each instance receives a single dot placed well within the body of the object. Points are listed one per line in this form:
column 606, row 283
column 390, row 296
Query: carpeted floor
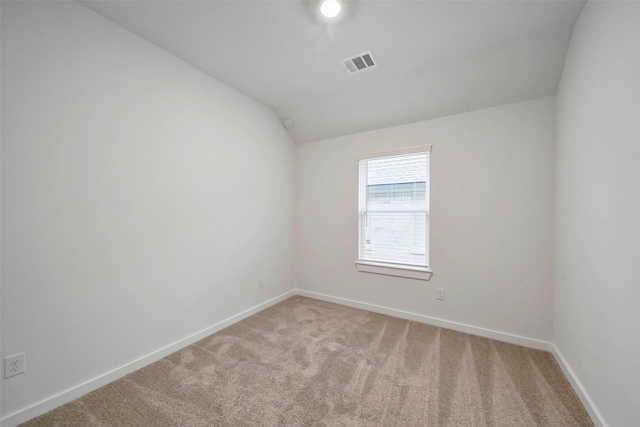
column 305, row 362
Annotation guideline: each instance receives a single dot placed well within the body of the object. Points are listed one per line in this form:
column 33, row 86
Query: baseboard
column 595, row 415
column 461, row 327
column 588, row 404
column 66, row 396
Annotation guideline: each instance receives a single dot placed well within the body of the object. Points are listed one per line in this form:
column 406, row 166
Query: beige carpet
column 305, row 362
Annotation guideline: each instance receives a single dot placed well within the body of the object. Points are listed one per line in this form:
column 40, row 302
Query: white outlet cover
column 14, row 365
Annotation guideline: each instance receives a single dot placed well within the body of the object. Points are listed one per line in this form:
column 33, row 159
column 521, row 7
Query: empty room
column 320, row 213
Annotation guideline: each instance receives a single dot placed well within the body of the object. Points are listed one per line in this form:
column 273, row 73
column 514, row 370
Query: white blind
column 394, row 209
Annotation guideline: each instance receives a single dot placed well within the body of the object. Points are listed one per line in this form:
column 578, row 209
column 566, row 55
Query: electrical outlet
column 440, row 295
column 14, row 365
column 261, row 282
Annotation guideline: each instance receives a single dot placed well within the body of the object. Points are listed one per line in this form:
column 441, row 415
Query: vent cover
column 360, row 62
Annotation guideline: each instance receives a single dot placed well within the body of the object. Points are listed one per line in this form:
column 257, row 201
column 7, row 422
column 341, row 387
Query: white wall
column 491, row 219
column 141, row 199
column 597, row 262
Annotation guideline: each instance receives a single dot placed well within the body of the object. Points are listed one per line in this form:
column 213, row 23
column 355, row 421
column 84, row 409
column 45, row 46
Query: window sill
column 419, row 273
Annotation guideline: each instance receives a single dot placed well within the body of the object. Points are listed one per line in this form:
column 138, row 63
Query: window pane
column 394, row 237
column 394, row 209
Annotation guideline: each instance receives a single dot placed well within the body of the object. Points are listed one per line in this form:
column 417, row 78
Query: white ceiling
column 435, row 58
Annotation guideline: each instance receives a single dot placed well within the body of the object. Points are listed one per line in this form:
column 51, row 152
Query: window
column 393, row 205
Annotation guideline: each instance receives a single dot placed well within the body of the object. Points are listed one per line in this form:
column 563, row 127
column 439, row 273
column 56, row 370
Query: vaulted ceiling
column 435, row 58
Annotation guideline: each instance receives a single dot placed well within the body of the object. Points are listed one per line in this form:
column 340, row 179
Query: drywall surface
column 491, row 219
column 597, row 255
column 141, row 199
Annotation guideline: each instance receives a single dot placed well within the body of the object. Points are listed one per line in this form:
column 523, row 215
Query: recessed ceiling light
column 330, row 8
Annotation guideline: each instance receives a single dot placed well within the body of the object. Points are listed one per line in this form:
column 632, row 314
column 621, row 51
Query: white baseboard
column 588, row 404
column 595, row 415
column 66, row 396
column 461, row 327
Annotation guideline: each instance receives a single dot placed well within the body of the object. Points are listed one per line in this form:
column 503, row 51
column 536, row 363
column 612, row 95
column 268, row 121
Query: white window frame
column 392, row 269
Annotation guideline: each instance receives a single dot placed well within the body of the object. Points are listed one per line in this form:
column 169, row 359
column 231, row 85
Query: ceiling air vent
column 360, row 62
